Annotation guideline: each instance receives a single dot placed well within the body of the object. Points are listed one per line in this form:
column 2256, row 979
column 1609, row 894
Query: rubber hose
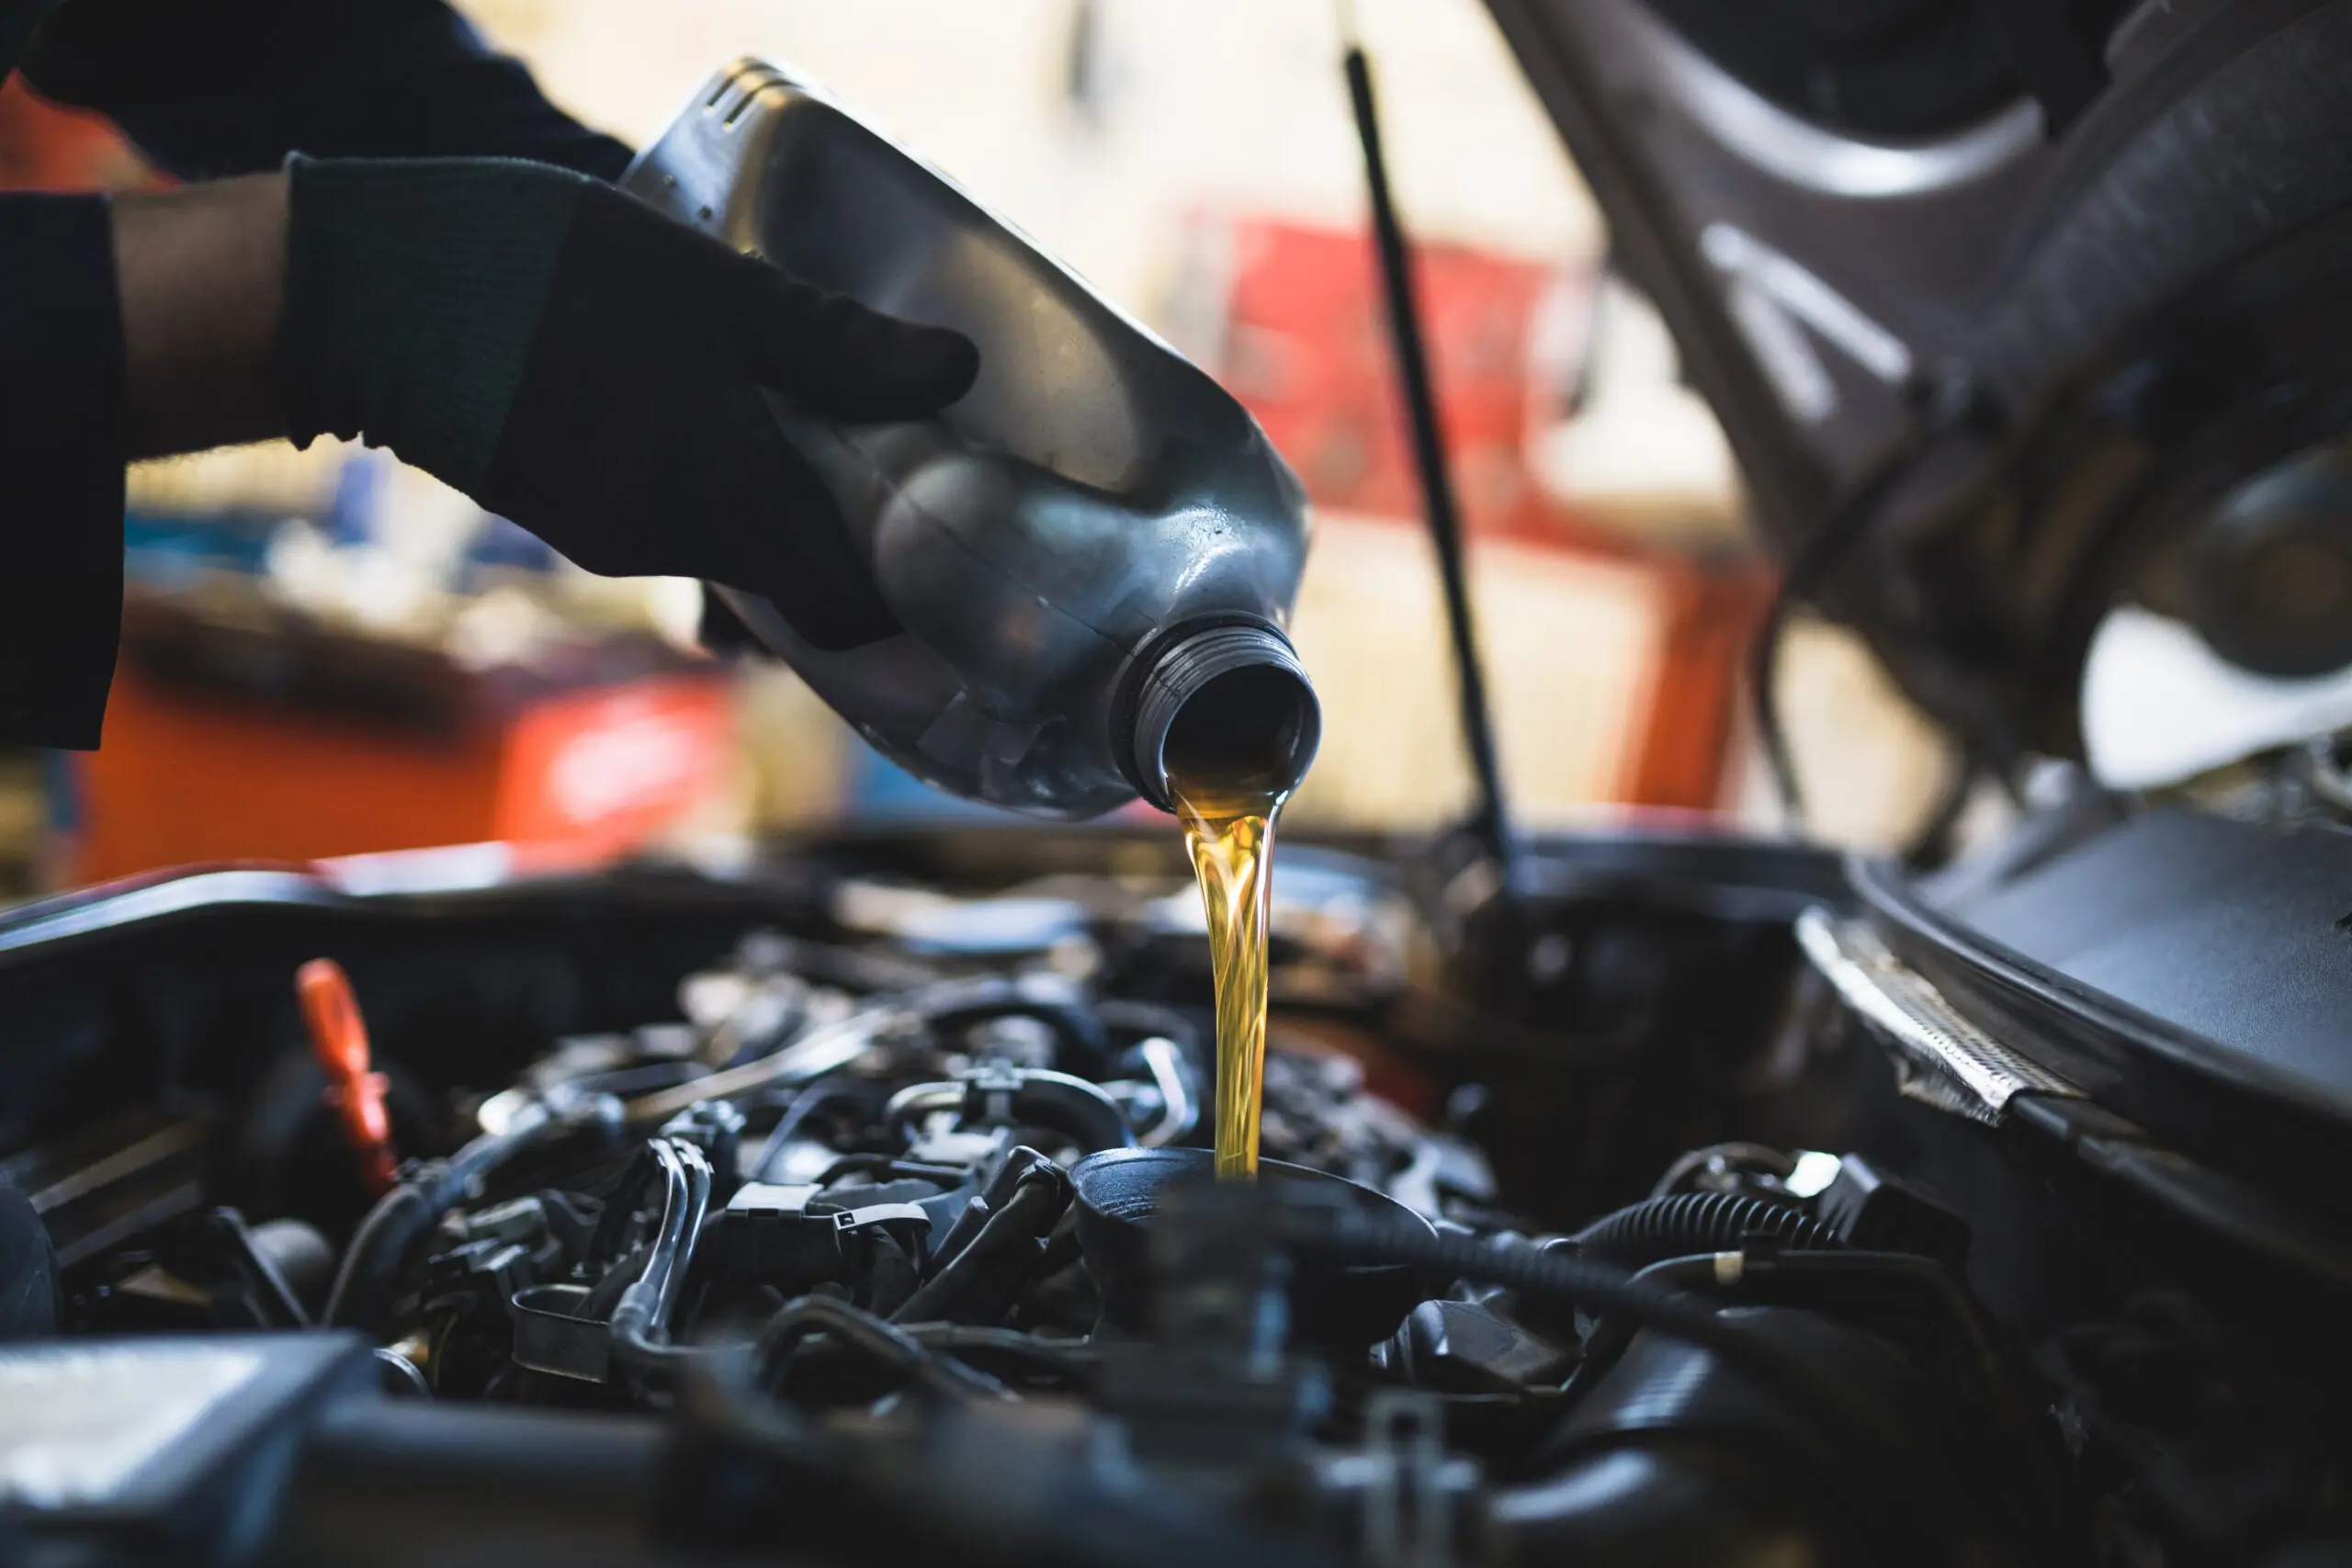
column 640, row 1327
column 1074, row 1107
column 620, row 1207
column 836, row 1089
column 1657, row 1228
column 1601, row 1287
column 605, row 1293
column 365, row 1285
column 1009, row 1239
column 854, row 1328
column 370, row 1277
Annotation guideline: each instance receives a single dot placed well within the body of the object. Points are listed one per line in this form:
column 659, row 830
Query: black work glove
column 576, row 362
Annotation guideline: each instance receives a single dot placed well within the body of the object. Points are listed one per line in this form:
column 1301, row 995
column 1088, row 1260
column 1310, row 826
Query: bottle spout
column 1228, row 706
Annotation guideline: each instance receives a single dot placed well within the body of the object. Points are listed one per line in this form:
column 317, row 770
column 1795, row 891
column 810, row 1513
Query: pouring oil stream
column 1228, row 725
column 1229, row 836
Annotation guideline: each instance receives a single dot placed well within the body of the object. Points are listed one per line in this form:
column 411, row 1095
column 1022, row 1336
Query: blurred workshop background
column 327, row 654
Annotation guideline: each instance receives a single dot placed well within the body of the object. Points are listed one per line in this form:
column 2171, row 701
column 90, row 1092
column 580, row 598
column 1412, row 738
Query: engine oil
column 1229, row 836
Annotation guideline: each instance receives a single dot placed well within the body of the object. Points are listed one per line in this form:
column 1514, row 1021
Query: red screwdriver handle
column 339, row 1039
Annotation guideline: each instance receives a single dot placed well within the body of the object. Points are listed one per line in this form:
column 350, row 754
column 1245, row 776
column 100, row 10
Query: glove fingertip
column 842, row 360
column 941, row 365
column 899, row 372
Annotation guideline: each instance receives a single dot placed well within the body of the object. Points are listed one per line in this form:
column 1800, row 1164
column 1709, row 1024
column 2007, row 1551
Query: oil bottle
column 1093, row 543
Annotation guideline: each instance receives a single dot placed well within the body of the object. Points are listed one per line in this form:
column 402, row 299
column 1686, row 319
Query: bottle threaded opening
column 1230, row 707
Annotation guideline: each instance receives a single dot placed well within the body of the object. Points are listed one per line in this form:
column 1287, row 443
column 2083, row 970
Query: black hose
column 1941, row 1290
column 1069, row 1361
column 1080, row 1111
column 1685, row 1223
column 598, row 1303
column 979, row 1280
column 1612, row 1332
column 1075, row 1107
column 824, row 1091
column 366, row 1284
column 1939, row 407
column 640, row 1326
column 639, row 1329
column 1362, row 1236
column 1785, row 1277
column 621, row 1210
column 852, row 1328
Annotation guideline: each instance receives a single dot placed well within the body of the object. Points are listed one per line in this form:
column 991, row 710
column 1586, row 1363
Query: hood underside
column 2012, row 313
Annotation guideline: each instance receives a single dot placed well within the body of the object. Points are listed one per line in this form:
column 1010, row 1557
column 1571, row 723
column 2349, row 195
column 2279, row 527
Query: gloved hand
column 578, row 363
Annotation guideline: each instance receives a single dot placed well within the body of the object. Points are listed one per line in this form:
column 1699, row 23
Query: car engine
column 840, row 1210
column 1651, row 1196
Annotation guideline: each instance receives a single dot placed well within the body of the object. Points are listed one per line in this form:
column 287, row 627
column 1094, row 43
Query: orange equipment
column 339, row 1039
column 287, row 742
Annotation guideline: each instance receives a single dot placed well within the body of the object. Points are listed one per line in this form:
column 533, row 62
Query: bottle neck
column 1230, row 705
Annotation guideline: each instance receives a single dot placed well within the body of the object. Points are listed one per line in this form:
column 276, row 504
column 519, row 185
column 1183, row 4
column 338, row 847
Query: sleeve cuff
column 61, row 469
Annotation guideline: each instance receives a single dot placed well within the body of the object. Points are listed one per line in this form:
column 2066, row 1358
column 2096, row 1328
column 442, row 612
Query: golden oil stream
column 1231, row 838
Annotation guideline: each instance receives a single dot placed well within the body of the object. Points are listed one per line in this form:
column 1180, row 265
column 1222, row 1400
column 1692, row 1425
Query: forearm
column 202, row 271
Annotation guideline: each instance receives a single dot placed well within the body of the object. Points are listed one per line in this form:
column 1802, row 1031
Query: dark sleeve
column 61, row 469
column 208, row 88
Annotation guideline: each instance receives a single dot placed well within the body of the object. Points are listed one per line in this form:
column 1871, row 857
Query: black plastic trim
column 2189, row 1092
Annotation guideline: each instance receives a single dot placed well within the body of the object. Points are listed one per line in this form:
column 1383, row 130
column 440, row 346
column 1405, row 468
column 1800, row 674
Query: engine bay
column 1650, row 1196
column 843, row 1209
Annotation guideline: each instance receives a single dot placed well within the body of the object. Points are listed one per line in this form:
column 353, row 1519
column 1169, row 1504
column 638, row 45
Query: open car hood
column 2049, row 310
